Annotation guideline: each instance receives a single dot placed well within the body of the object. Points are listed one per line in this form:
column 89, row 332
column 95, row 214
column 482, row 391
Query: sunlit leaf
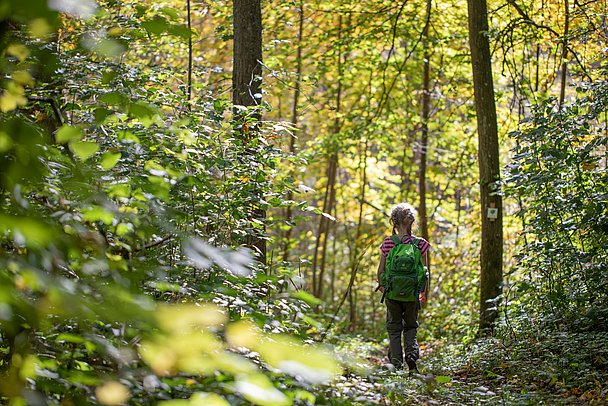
column 243, row 334
column 307, row 297
column 27, row 231
column 198, row 399
column 112, row 393
column 68, row 133
column 9, row 101
column 259, row 390
column 6, row 142
column 187, row 317
column 23, row 78
column 84, row 149
column 312, row 364
column 96, row 213
column 40, row 27
column 109, row 160
column 19, row 51
column 443, row 379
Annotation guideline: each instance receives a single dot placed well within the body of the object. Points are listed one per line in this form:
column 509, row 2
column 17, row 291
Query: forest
column 194, row 193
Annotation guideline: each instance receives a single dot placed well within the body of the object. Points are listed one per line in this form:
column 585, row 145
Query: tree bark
column 424, row 139
column 562, row 91
column 330, row 193
column 294, row 121
column 489, row 173
column 247, row 69
column 247, row 84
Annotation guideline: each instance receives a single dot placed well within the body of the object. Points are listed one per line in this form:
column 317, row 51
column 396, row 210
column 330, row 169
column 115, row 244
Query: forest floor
column 455, row 374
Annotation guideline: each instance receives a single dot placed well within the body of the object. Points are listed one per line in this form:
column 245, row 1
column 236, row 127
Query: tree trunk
column 332, row 173
column 424, row 139
column 247, row 82
column 355, row 245
column 294, row 121
column 489, row 173
column 562, row 91
column 247, row 69
column 189, row 80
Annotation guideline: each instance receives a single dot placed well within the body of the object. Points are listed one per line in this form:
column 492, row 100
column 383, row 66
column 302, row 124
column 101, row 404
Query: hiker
column 402, row 292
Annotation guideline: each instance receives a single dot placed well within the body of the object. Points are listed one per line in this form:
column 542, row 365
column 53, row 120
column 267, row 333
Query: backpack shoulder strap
column 396, row 239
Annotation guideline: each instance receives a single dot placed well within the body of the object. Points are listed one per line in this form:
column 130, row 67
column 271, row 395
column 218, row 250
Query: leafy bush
column 123, row 217
column 559, row 176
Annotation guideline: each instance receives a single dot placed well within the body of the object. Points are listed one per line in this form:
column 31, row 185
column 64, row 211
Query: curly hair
column 400, row 213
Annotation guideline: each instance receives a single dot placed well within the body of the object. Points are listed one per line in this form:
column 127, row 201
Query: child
column 402, row 317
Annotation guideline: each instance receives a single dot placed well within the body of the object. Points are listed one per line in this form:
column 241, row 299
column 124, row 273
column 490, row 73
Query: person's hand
column 422, row 297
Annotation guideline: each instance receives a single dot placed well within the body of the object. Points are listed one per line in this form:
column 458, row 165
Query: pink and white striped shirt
column 388, row 244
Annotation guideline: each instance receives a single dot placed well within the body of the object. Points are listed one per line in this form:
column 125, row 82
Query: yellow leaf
column 198, row 399
column 186, row 317
column 23, row 77
column 313, row 364
column 19, row 51
column 112, row 393
column 6, row 142
column 243, row 334
column 40, row 27
column 9, row 101
column 259, row 390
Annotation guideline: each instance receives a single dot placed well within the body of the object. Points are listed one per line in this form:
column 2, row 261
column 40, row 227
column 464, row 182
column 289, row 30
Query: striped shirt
column 388, row 244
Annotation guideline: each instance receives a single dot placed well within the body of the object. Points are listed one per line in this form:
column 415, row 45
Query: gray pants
column 402, row 317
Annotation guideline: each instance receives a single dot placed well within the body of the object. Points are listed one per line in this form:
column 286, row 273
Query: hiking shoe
column 411, row 364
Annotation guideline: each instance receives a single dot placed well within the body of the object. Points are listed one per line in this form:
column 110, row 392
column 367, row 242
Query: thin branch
column 528, row 20
column 154, row 244
column 54, row 106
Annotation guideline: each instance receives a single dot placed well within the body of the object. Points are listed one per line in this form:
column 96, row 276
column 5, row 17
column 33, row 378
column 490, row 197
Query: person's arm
column 381, row 267
column 424, row 294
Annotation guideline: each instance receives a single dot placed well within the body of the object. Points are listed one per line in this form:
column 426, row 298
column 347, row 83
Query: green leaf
column 443, row 379
column 109, row 160
column 119, row 190
column 84, row 149
column 113, row 98
column 101, row 114
column 170, row 11
column 306, row 297
column 95, row 214
column 68, row 133
column 124, row 228
column 6, row 142
column 141, row 110
column 29, row 231
column 156, row 26
column 110, row 48
column 70, row 338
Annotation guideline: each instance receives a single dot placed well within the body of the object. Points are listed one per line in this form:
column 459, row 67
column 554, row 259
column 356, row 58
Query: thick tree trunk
column 247, row 81
column 489, row 173
column 247, row 69
column 424, row 139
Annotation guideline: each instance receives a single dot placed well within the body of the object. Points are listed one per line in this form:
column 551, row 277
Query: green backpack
column 404, row 276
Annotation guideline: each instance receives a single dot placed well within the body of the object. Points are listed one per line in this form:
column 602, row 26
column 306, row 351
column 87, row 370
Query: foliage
column 125, row 208
column 123, row 220
column 558, row 174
